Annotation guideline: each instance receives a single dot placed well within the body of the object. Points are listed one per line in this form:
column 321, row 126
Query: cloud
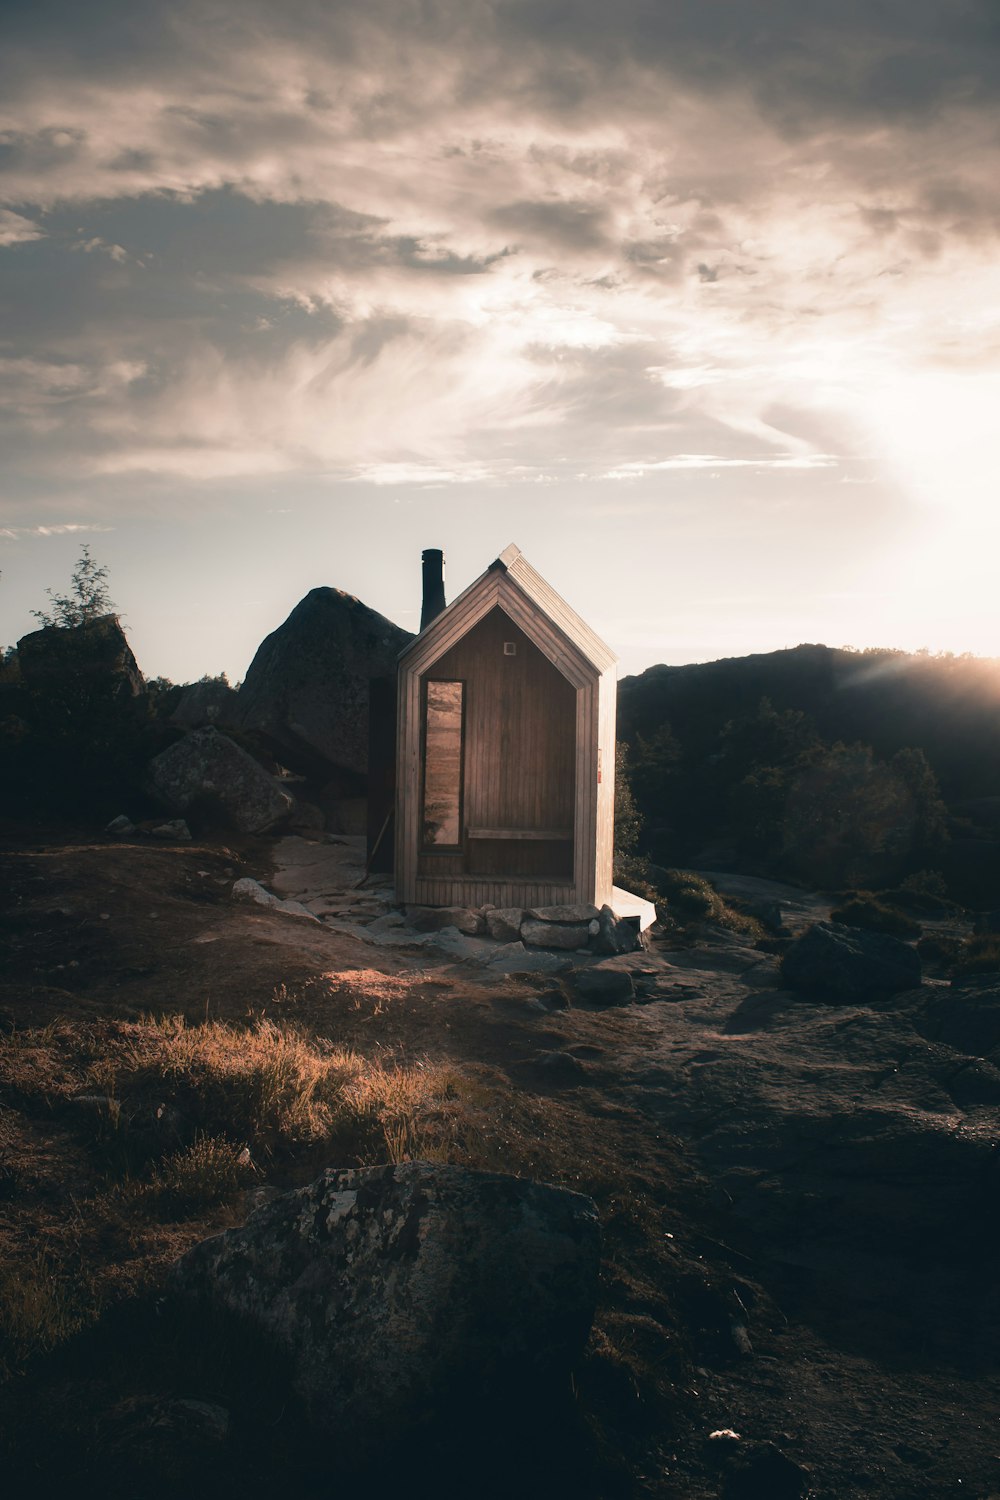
column 713, row 461
column 60, row 528
column 452, row 241
column 15, row 229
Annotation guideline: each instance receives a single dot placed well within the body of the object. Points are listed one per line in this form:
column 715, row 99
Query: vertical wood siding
column 510, row 893
column 535, row 723
column 519, row 749
column 608, row 696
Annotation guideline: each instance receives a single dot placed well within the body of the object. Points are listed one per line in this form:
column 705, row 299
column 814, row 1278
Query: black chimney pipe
column 433, row 604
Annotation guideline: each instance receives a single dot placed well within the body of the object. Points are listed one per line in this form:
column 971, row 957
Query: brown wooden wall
column 519, row 754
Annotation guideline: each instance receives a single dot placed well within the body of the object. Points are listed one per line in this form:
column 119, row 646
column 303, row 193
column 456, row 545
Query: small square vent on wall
column 510, row 648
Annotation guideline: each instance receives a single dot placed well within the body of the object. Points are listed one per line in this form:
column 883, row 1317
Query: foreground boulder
column 393, row 1290
column 208, row 766
column 848, row 964
column 306, row 692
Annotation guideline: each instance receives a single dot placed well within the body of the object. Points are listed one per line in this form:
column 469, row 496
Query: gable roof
column 512, row 584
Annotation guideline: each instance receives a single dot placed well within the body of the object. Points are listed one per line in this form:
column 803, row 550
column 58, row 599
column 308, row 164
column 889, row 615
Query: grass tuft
column 863, row 910
column 979, row 955
column 37, row 1311
column 688, row 898
column 209, row 1172
column 161, row 1083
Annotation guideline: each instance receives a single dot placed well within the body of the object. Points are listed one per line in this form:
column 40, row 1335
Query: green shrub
column 926, row 883
column 875, row 916
column 691, row 898
column 632, row 873
column 980, row 955
column 937, row 948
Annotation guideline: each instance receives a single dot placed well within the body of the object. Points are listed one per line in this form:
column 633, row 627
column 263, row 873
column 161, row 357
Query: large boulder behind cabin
column 94, row 657
column 206, row 767
column 76, row 728
column 847, row 964
column 394, row 1291
column 306, row 692
column 208, row 702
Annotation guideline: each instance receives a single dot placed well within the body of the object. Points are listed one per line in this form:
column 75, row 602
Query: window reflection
column 443, row 763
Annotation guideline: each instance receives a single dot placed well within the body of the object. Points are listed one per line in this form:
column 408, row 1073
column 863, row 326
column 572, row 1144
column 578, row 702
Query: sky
column 696, row 301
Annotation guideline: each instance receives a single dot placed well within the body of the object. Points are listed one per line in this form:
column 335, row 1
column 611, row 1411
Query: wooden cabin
column 505, row 774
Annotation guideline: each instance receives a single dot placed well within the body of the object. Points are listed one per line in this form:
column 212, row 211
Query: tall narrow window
column 443, row 764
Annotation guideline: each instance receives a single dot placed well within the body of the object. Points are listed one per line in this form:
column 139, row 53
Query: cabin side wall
column 407, row 783
column 605, row 847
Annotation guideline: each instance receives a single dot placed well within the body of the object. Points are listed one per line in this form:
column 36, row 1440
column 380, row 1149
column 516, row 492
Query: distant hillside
column 835, row 767
column 949, row 707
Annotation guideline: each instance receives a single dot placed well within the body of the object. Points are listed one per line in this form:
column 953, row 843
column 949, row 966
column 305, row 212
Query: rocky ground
column 798, row 1199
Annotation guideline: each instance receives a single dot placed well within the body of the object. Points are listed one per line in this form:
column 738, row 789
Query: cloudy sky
column 698, row 301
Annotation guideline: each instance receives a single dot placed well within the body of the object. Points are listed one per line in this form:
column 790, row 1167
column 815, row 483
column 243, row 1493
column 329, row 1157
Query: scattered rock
column 434, row 918
column 614, row 935
column 561, row 1065
column 387, row 923
column 965, row 1016
column 120, row 826
column 504, row 923
column 768, row 913
column 459, row 944
column 173, row 828
column 542, row 934
column 515, row 958
column 395, row 1290
column 248, row 889
column 207, row 765
column 844, row 964
column 976, row 1085
column 765, row 975
column 603, row 986
column 583, row 912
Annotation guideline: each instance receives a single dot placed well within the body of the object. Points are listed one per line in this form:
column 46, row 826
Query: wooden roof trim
column 510, row 569
column 452, row 611
column 453, row 623
column 562, row 614
column 550, row 641
column 540, row 631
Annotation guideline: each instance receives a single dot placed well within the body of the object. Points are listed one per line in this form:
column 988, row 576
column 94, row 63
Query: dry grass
column 38, row 1309
column 161, row 1124
column 210, row 1171
column 268, row 1085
